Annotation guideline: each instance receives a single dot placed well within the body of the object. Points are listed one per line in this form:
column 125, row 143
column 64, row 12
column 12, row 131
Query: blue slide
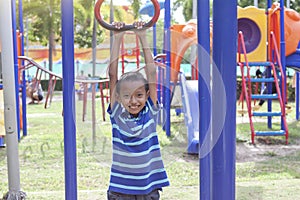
column 190, row 103
column 293, row 60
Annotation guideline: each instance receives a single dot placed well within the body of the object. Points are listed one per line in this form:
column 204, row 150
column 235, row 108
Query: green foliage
column 136, row 7
column 245, row 3
column 84, row 24
column 45, row 20
column 295, row 5
column 187, row 8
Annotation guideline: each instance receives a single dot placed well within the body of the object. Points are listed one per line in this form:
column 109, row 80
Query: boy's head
column 132, row 92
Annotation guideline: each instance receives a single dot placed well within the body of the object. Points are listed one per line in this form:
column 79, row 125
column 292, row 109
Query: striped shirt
column 137, row 166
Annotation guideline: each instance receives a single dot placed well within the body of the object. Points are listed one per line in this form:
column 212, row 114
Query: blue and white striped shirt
column 137, row 166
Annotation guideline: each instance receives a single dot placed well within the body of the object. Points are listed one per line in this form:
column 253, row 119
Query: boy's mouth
column 134, row 107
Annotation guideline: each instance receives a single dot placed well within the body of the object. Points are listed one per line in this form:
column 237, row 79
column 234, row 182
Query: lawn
column 41, row 156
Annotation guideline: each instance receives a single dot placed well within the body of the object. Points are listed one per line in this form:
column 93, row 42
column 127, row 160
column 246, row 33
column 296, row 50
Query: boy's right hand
column 118, row 35
column 118, row 25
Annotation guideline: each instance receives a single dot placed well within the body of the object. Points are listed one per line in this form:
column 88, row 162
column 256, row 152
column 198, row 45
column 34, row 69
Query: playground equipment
column 252, row 21
column 126, row 27
column 222, row 178
column 189, row 96
column 247, row 88
column 29, row 63
column 253, row 56
column 255, row 25
column 184, row 36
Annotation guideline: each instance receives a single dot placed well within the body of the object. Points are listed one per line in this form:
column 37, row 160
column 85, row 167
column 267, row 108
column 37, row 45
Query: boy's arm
column 150, row 65
column 113, row 66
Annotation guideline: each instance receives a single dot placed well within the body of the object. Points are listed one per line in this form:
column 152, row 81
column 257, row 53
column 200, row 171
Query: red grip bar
column 126, row 27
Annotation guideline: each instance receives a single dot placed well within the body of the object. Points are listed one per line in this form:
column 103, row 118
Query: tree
column 45, row 23
column 86, row 32
column 245, row 3
column 187, row 8
column 135, row 7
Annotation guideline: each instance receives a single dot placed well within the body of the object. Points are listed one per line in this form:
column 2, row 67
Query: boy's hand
column 139, row 31
column 118, row 25
column 139, row 24
column 118, row 34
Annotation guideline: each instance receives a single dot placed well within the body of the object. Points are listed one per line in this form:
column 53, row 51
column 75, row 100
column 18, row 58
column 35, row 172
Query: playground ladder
column 247, row 82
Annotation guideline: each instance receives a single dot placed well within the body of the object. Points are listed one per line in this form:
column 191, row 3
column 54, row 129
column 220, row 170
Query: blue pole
column 269, row 85
column 16, row 67
column 269, row 3
column 297, row 94
column 224, row 104
column 167, row 93
column 69, row 99
column 24, row 118
column 203, row 32
column 282, row 53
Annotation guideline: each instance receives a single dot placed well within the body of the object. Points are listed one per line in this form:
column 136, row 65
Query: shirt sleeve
column 154, row 108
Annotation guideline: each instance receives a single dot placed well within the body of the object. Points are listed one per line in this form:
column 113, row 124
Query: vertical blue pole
column 69, row 99
column 24, row 118
column 282, row 43
column 167, row 93
column 297, row 94
column 269, row 3
column 203, row 32
column 282, row 54
column 224, row 56
column 269, row 85
column 14, row 27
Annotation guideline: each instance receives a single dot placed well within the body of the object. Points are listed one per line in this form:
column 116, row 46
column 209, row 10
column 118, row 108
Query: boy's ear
column 148, row 93
column 117, row 96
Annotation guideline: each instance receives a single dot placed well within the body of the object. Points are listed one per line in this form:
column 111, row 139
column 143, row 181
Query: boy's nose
column 132, row 99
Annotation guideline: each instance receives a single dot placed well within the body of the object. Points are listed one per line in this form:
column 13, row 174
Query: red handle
column 126, row 27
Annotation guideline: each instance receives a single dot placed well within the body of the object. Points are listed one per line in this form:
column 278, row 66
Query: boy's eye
column 126, row 96
column 140, row 94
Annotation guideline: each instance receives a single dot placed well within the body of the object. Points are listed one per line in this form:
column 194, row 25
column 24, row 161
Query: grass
column 41, row 159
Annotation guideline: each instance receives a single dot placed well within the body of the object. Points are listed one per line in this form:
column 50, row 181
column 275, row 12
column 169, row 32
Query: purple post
column 167, row 93
column 23, row 73
column 204, row 97
column 297, row 95
column 282, row 54
column 69, row 99
column 224, row 103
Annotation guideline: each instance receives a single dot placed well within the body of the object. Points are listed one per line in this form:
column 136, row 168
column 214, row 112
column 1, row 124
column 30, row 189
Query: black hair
column 131, row 76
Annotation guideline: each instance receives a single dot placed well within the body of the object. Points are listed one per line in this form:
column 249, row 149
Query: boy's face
column 133, row 96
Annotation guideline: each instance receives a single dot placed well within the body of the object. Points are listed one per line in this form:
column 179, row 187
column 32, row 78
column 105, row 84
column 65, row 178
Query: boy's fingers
column 118, row 25
column 139, row 24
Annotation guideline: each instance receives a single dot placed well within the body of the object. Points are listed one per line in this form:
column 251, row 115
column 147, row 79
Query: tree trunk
column 94, row 46
column 50, row 57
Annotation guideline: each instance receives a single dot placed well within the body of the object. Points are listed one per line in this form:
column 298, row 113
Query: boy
column 137, row 170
